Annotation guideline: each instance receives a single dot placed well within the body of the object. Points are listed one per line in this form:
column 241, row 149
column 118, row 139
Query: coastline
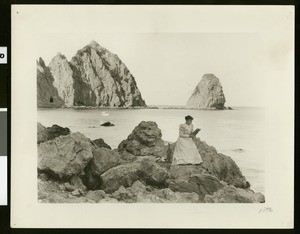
column 141, row 164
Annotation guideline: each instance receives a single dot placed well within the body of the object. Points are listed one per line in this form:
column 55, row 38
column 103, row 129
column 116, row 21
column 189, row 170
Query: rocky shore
column 74, row 169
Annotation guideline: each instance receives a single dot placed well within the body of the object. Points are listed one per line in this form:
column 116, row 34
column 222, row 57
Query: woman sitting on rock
column 186, row 151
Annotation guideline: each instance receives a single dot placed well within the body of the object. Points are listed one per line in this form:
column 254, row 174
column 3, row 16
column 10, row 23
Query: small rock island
column 208, row 94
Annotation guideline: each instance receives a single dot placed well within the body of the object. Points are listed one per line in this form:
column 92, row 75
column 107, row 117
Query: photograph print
column 151, row 118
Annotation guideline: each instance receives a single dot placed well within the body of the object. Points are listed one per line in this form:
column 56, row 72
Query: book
column 196, row 131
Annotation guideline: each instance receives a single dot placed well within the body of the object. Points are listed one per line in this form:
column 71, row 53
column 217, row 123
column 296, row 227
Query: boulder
column 208, row 94
column 64, row 156
column 56, row 131
column 216, row 164
column 201, row 184
column 49, row 133
column 144, row 140
column 231, row 194
column 101, row 143
column 183, row 172
column 103, row 160
column 144, row 168
column 220, row 165
column 42, row 134
column 193, row 178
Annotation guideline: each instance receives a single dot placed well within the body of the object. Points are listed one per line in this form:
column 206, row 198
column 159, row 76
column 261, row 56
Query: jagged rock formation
column 208, row 94
column 144, row 140
column 47, row 95
column 94, row 77
column 72, row 168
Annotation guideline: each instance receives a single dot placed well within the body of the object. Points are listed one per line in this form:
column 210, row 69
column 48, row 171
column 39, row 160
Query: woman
column 186, row 151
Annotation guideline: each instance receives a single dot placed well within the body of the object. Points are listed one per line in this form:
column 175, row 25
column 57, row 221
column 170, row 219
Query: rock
column 56, row 131
column 220, row 165
column 152, row 173
column 49, row 133
column 229, row 108
column 95, row 195
column 69, row 187
column 144, row 168
column 208, row 94
column 107, row 124
column 77, row 182
column 103, row 160
column 201, row 184
column 193, row 178
column 42, row 134
column 125, row 195
column 231, row 194
column 141, row 193
column 145, row 139
column 64, row 79
column 76, row 193
column 47, row 95
column 121, row 175
column 169, row 196
column 94, row 77
column 216, row 164
column 184, row 172
column 101, row 143
column 126, row 156
column 64, row 156
column 62, row 187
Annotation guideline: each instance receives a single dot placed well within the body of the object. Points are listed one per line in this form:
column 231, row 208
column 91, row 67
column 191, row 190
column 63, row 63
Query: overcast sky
column 167, row 66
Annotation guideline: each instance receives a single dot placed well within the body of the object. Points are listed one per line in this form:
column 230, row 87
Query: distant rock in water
column 94, row 77
column 208, row 94
column 107, row 124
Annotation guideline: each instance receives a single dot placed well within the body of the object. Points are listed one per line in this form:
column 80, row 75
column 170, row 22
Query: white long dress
column 186, row 151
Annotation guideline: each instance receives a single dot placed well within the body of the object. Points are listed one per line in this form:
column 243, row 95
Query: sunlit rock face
column 94, row 77
column 208, row 94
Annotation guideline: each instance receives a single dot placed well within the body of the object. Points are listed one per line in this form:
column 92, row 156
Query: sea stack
column 94, row 77
column 208, row 94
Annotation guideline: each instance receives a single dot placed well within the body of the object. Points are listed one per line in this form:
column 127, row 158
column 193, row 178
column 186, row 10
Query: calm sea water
column 237, row 133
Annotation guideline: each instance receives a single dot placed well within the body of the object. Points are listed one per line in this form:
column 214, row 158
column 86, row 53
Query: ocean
column 238, row 133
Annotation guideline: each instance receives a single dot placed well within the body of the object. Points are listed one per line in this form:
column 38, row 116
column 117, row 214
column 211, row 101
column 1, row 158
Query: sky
column 168, row 64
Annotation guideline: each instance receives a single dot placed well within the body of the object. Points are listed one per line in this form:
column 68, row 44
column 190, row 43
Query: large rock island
column 94, row 77
column 75, row 169
column 208, row 94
